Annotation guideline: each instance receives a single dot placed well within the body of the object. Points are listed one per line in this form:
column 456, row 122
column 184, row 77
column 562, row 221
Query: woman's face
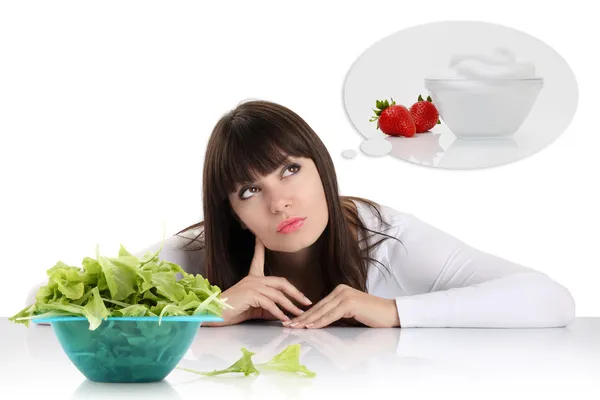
column 293, row 190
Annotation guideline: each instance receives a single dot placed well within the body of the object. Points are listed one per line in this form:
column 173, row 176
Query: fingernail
column 307, row 300
column 309, row 325
column 294, row 324
column 286, row 322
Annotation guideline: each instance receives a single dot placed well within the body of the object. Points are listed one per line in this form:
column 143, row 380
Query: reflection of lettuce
column 287, row 360
column 124, row 286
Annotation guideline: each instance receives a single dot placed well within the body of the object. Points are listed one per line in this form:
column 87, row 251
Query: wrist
column 394, row 318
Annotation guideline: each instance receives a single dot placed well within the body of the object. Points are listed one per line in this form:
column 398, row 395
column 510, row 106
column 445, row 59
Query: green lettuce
column 122, row 286
column 287, row 360
column 243, row 365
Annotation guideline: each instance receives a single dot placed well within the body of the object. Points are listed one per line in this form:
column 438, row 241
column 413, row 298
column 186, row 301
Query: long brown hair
column 253, row 140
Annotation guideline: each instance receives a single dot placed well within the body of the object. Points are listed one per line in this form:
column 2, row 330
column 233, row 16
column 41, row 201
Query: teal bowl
column 127, row 349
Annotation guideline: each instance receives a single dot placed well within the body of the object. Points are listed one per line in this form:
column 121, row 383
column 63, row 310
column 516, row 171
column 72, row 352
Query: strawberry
column 425, row 114
column 393, row 119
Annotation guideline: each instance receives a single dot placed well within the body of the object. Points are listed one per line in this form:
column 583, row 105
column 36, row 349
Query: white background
column 105, row 109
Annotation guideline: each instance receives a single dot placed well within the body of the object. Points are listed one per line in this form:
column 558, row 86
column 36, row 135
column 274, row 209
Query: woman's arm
column 451, row 284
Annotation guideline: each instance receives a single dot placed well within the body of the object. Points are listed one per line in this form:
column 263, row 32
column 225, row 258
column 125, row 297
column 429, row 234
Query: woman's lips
column 290, row 225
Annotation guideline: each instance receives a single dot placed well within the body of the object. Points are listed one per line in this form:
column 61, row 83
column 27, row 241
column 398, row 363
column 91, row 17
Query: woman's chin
column 289, row 248
column 296, row 244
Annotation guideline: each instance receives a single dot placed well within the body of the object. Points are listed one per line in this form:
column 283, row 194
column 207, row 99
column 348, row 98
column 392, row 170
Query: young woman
column 281, row 243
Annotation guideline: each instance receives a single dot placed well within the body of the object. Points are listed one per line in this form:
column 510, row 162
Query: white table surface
column 349, row 362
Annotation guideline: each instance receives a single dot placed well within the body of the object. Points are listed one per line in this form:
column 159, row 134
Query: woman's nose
column 279, row 203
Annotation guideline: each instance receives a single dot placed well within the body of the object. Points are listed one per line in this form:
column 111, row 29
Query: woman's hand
column 346, row 302
column 258, row 296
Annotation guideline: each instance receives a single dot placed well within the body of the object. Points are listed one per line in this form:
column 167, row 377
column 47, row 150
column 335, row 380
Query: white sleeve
column 450, row 284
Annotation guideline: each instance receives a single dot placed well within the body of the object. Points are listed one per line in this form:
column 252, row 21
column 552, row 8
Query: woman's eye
column 250, row 189
column 294, row 167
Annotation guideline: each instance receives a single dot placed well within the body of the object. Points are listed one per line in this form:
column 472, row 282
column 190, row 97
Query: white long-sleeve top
column 438, row 280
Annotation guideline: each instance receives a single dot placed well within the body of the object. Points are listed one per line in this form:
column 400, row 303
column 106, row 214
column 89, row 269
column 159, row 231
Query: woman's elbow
column 556, row 303
column 565, row 313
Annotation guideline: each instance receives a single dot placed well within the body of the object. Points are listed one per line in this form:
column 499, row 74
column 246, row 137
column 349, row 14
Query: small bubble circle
column 349, row 154
column 376, row 147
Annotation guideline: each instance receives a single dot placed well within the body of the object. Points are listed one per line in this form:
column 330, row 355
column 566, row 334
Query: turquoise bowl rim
column 171, row 318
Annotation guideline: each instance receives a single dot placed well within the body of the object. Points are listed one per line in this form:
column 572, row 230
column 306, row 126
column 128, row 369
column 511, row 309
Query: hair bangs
column 254, row 150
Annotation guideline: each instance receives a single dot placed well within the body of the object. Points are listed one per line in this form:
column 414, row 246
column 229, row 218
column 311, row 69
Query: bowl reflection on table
column 445, row 150
column 147, row 391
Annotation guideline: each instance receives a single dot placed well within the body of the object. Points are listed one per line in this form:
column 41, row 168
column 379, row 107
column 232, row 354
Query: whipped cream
column 500, row 64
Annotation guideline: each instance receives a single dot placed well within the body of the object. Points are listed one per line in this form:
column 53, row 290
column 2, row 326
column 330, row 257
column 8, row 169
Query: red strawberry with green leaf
column 393, row 119
column 425, row 114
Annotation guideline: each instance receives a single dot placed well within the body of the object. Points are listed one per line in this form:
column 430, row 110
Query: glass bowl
column 484, row 108
column 127, row 349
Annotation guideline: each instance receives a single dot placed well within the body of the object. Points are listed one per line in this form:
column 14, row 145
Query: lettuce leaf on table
column 122, row 286
column 243, row 365
column 287, row 360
